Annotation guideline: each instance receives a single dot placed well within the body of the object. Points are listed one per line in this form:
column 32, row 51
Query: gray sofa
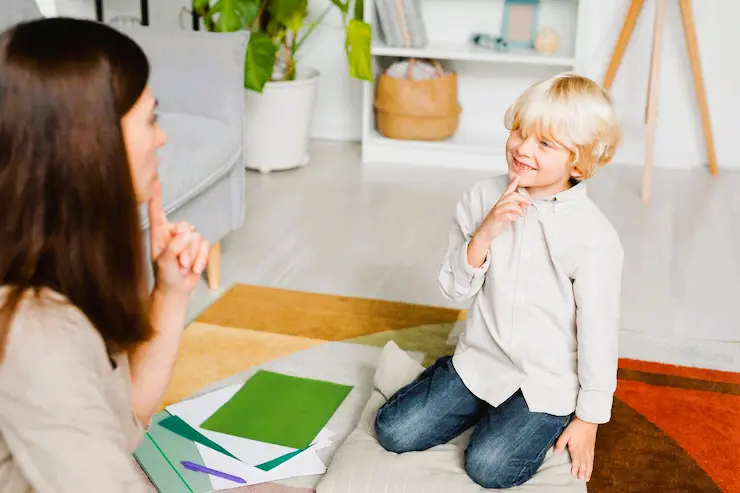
column 197, row 78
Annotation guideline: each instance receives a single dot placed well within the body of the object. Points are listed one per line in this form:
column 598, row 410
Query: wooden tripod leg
column 687, row 16
column 624, row 38
column 213, row 271
column 652, row 100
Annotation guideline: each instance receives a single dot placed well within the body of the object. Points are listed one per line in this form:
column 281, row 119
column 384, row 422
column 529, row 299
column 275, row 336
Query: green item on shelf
column 279, row 409
column 176, row 425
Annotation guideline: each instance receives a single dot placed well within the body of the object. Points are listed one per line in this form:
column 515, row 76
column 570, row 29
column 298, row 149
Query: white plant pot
column 277, row 123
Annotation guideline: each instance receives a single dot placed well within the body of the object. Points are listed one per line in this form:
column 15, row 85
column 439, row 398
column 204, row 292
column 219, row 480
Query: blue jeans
column 507, row 446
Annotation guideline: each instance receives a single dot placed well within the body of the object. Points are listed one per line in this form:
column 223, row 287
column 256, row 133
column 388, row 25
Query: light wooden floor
column 338, row 227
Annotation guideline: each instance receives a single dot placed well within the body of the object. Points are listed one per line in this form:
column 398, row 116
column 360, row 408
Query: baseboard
column 335, row 129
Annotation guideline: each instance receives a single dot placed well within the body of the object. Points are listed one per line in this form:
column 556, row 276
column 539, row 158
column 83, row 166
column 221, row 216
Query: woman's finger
column 187, row 258
column 176, row 246
column 201, row 260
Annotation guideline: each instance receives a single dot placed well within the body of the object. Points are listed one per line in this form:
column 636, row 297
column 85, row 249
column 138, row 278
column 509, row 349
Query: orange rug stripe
column 680, row 371
column 705, row 424
column 318, row 316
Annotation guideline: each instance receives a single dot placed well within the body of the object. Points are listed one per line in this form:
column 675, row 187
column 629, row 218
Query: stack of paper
column 266, row 429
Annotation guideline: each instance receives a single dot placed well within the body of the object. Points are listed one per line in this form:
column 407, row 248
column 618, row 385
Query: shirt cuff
column 468, row 272
column 594, row 406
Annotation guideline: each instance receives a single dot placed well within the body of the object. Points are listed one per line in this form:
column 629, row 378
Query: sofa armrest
column 196, row 72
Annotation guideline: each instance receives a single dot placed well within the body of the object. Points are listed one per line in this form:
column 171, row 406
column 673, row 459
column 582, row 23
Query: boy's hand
column 509, row 208
column 580, row 437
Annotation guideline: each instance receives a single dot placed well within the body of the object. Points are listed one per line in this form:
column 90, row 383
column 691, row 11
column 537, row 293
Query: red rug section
column 705, row 424
column 680, row 371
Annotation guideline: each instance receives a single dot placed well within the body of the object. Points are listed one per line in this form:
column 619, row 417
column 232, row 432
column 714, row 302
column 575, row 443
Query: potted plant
column 279, row 92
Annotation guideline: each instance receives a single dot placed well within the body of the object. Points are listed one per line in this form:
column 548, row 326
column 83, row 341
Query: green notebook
column 160, row 454
column 279, row 409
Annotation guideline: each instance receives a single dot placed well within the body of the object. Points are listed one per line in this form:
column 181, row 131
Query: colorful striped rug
column 674, row 429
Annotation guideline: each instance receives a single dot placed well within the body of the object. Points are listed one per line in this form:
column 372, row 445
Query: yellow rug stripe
column 318, row 316
column 210, row 353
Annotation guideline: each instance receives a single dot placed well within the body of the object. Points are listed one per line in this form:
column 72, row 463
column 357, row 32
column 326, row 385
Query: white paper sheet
column 307, row 463
column 195, row 411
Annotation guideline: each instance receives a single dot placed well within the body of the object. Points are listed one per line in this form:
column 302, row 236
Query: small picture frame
column 519, row 26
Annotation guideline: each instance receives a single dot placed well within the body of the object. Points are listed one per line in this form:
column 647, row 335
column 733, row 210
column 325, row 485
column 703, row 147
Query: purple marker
column 197, row 467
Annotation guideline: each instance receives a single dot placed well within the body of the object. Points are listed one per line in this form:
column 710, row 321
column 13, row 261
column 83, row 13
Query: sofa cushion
column 199, row 151
column 361, row 465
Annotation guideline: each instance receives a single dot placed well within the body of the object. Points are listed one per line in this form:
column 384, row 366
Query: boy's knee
column 395, row 435
column 497, row 471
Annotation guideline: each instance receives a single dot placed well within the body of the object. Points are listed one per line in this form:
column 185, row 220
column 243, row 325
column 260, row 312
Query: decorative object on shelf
column 125, row 21
column 519, row 25
column 651, row 110
column 417, row 101
column 143, row 8
column 547, row 41
column 396, row 17
column 279, row 96
column 483, row 40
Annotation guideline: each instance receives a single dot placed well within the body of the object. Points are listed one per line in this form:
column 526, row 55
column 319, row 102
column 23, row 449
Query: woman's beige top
column 66, row 423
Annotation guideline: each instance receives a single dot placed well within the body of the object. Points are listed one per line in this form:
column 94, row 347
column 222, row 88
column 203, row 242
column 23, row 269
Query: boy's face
column 539, row 163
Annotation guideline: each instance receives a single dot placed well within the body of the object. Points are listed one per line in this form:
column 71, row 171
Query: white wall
column 679, row 138
column 679, row 141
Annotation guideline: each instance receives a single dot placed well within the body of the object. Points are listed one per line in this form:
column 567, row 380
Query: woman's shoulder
column 46, row 325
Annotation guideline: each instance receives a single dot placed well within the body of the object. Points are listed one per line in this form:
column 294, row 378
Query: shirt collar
column 562, row 199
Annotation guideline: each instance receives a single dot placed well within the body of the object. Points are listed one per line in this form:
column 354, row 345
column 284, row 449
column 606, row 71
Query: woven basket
column 417, row 109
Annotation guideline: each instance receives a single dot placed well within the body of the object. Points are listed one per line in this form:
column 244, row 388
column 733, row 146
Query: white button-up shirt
column 545, row 311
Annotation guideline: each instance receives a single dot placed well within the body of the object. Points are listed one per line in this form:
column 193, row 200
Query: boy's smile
column 544, row 168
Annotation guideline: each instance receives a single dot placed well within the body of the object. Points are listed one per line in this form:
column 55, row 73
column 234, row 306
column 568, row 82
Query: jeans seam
column 401, row 393
column 540, row 456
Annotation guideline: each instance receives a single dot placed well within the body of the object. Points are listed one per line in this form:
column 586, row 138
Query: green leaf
column 233, row 15
column 360, row 10
column 199, row 5
column 259, row 62
column 359, row 36
column 289, row 12
column 344, row 7
column 248, row 10
column 228, row 19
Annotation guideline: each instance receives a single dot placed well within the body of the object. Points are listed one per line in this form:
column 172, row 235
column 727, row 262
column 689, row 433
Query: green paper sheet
column 179, row 427
column 272, row 464
column 279, row 409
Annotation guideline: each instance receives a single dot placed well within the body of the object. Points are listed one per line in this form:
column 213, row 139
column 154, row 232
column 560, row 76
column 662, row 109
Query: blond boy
column 536, row 365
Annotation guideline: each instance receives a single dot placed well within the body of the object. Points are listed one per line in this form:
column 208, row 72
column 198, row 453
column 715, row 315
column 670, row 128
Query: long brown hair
column 69, row 218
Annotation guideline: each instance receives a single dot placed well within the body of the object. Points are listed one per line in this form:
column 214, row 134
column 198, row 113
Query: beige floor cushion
column 361, row 465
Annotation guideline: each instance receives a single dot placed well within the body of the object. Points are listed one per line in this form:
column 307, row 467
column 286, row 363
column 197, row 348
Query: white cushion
column 362, row 465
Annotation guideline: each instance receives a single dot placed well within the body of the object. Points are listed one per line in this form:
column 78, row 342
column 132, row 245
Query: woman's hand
column 179, row 254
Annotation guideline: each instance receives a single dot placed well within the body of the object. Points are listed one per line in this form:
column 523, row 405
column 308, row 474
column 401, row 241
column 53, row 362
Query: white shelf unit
column 488, row 81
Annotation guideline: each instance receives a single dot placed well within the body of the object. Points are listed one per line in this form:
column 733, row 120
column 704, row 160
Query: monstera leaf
column 259, row 62
column 359, row 36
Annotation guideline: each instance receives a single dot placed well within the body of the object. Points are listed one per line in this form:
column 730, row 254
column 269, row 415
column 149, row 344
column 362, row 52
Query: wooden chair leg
column 624, row 38
column 652, row 100
column 213, row 271
column 687, row 16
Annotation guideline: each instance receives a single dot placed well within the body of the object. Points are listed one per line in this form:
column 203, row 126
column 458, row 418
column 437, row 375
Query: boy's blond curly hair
column 574, row 112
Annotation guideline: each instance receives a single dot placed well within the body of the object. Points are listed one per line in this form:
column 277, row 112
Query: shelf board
column 469, row 52
column 474, row 150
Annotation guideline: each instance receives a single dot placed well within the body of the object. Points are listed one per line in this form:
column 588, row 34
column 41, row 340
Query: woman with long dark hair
column 86, row 351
